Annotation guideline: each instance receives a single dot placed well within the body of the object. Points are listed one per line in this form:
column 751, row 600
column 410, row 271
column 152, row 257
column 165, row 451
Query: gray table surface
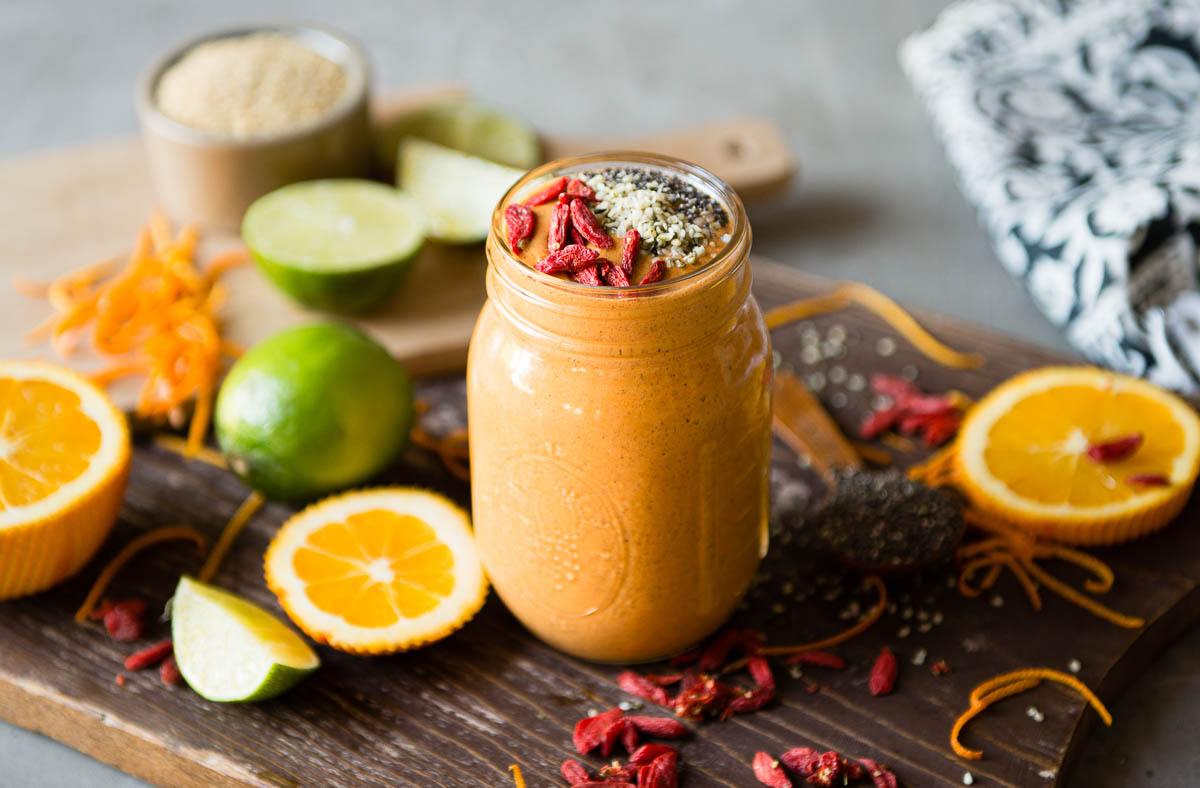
column 876, row 201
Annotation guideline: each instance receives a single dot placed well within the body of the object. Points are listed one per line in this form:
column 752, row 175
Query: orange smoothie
column 620, row 432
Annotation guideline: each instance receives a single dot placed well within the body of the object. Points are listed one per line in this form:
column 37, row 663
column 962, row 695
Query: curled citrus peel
column 1008, row 684
column 138, row 544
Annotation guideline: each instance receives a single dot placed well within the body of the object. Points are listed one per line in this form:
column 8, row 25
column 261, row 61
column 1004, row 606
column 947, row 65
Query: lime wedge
column 457, row 192
column 467, row 126
column 340, row 245
column 230, row 650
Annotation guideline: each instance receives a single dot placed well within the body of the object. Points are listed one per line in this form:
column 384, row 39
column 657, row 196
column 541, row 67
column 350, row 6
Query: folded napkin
column 1075, row 130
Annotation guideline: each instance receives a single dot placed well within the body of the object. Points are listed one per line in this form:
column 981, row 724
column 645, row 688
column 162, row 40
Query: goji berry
column 577, row 188
column 587, row 276
column 589, row 731
column 611, row 735
column 664, row 679
column 1149, row 479
column 648, row 752
column 659, row 727
column 681, row 660
column 1116, row 449
column 657, row 271
column 880, row 775
column 828, row 769
column 878, row 422
column 629, row 737
column 546, row 193
column 820, row 659
column 616, row 772
column 852, row 770
column 716, row 653
column 640, row 686
column 573, row 772
column 665, row 769
column 615, row 276
column 768, row 771
column 585, row 222
column 124, row 620
column 939, row 429
column 560, row 219
column 120, row 680
column 573, row 236
column 884, row 673
column 151, row 655
column 747, row 702
column 760, row 671
column 629, row 250
column 940, row 668
column 101, row 610
column 707, row 696
column 803, row 760
column 168, row 671
column 569, row 259
column 519, row 221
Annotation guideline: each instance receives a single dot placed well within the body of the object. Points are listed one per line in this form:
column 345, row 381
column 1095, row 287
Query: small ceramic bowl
column 211, row 179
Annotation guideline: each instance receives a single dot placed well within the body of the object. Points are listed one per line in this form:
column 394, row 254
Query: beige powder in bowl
column 254, row 85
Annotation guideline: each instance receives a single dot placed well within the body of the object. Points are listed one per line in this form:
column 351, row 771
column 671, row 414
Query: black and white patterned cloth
column 1074, row 126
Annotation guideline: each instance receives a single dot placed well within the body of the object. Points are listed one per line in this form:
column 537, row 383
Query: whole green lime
column 313, row 409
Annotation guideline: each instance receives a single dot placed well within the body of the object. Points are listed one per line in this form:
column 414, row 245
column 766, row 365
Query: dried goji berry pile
column 126, row 621
column 572, row 227
column 820, row 769
column 649, row 766
column 936, row 417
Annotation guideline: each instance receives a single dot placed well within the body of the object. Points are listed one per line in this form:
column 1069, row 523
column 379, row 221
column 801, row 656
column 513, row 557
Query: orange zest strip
column 249, row 507
column 518, row 778
column 230, row 258
column 865, row 623
column 872, row 454
column 103, row 377
column 453, row 449
column 152, row 537
column 179, row 446
column 1012, row 683
column 886, row 309
column 200, row 418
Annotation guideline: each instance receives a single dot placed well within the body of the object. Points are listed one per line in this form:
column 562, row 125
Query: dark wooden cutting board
column 458, row 713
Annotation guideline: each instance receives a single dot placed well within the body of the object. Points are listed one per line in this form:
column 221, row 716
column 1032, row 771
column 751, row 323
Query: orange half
column 1022, row 454
column 377, row 571
column 64, row 462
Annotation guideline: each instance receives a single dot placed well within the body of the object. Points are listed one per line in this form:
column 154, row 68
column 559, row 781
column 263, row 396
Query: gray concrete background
column 876, row 201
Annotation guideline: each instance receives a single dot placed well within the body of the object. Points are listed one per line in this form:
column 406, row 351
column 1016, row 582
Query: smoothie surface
column 679, row 225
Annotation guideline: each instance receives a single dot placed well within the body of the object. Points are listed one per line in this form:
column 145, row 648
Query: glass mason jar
column 620, row 442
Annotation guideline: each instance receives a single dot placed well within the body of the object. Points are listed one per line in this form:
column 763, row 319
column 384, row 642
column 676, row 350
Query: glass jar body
column 620, row 450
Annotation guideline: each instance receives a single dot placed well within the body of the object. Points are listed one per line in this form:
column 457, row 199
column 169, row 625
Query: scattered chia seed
column 677, row 221
column 938, row 618
column 838, row 399
column 909, row 372
column 919, row 658
column 924, row 627
column 1074, row 666
column 885, row 347
column 968, row 778
column 904, row 631
column 837, row 374
column 884, row 522
column 1047, row 774
column 1034, row 714
column 856, row 382
column 997, row 600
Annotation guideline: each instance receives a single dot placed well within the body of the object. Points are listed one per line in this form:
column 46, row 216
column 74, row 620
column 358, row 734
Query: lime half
column 230, row 650
column 339, row 245
column 467, row 126
column 457, row 192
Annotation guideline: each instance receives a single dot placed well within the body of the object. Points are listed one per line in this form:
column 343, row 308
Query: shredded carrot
column 156, row 318
column 179, row 445
column 452, row 449
column 225, row 541
column 848, row 293
column 865, row 623
column 29, row 288
column 153, row 537
column 518, row 778
column 1009, row 684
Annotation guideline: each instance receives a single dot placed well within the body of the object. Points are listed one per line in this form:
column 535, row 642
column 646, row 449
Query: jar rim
column 717, row 188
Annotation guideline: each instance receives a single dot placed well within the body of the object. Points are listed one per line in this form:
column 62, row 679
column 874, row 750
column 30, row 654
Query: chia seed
column 677, row 221
column 882, row 521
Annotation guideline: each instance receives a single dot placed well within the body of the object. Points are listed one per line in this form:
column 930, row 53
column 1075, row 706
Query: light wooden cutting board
column 68, row 207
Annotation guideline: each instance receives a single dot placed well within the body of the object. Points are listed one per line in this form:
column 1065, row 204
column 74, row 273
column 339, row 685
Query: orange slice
column 1022, row 455
column 64, row 461
column 377, row 571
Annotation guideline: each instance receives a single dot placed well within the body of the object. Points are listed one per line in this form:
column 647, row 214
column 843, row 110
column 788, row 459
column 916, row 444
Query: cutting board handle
column 750, row 154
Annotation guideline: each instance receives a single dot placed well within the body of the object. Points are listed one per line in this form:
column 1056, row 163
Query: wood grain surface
column 458, row 713
column 69, row 207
